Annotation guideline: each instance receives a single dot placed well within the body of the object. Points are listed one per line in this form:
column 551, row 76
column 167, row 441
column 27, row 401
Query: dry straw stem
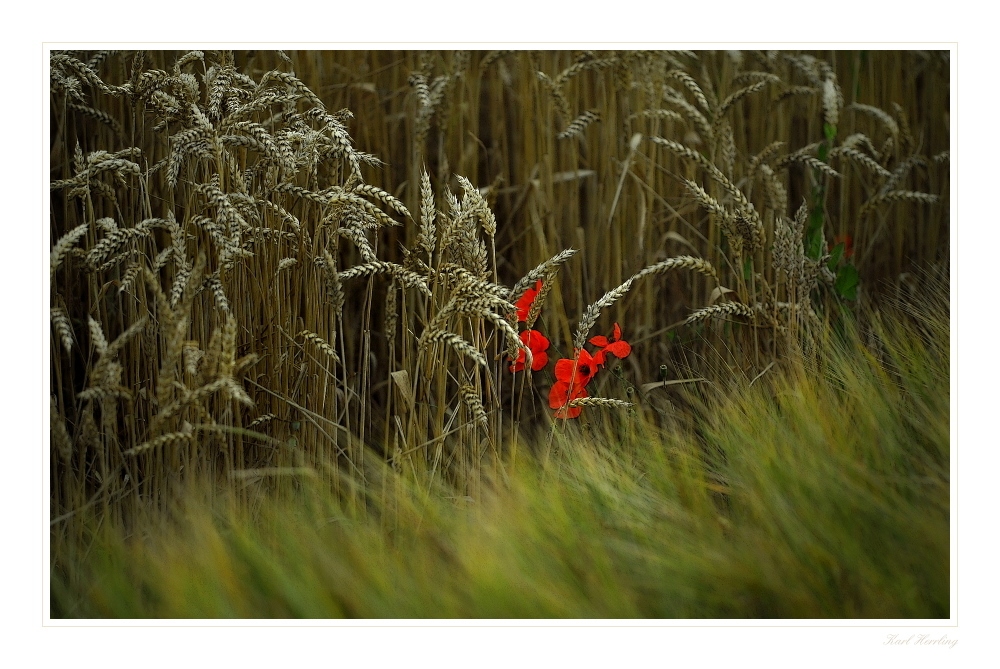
column 716, row 310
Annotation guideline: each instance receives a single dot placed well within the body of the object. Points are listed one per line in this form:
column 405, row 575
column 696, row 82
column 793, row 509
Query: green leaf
column 836, row 255
column 747, row 269
column 814, row 244
column 824, row 151
column 830, row 131
column 847, row 282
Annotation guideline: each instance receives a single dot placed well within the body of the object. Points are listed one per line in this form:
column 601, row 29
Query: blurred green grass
column 821, row 490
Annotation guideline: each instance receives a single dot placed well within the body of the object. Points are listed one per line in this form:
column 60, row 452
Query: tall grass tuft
column 819, row 491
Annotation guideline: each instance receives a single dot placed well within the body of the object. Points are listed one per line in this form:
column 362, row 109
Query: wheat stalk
column 456, row 342
column 542, row 272
column 162, row 440
column 692, row 86
column 405, row 277
column 680, row 262
column 605, row 402
column 725, row 309
column 321, row 344
column 700, row 122
column 61, row 322
column 863, row 160
column 886, row 120
column 593, row 312
column 737, row 96
column 896, row 196
column 428, row 234
column 60, row 436
column 474, row 403
column 579, row 124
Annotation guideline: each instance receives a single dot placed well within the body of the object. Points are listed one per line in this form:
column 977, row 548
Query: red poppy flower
column 580, row 371
column 615, row 346
column 560, row 395
column 523, row 303
column 572, row 375
column 537, row 344
column 848, row 244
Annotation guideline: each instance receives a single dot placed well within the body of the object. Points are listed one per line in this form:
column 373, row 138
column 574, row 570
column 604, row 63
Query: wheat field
column 395, row 334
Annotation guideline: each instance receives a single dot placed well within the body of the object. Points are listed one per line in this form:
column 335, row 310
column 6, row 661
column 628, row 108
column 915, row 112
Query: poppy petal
column 619, row 349
column 564, row 369
column 558, row 394
column 534, row 340
column 599, row 340
column 540, row 359
column 524, row 302
column 617, row 333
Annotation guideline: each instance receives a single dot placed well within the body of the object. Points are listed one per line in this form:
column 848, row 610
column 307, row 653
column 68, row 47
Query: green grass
column 819, row 491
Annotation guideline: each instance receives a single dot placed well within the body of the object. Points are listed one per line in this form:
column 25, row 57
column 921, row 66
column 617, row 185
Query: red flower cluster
column 573, row 375
column 615, row 346
column 536, row 342
column 524, row 302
